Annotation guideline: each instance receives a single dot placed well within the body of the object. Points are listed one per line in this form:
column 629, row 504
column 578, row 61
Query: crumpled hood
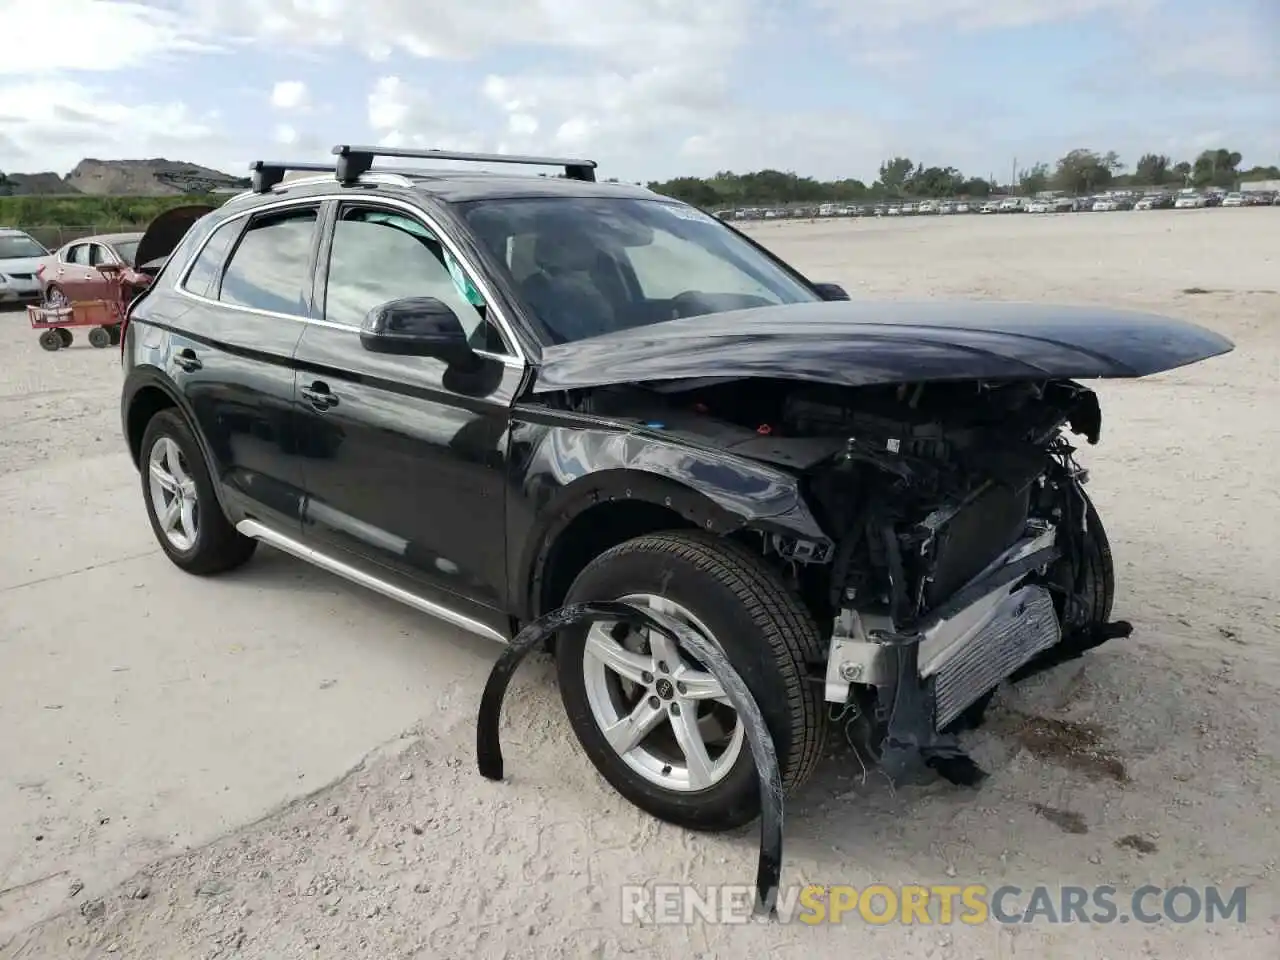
column 865, row 342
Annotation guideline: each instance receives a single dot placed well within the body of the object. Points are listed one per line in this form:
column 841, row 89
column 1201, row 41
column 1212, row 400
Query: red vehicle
column 73, row 275
column 92, row 281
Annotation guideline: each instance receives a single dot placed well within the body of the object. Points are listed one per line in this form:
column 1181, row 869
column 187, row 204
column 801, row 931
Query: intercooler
column 971, row 653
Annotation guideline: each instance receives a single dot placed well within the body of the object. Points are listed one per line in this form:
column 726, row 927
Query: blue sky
column 651, row 88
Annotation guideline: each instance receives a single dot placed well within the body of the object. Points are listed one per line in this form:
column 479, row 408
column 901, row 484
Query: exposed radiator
column 1024, row 624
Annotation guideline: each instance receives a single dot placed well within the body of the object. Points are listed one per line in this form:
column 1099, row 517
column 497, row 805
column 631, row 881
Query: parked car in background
column 1039, row 206
column 1189, row 200
column 1065, row 205
column 1104, row 205
column 1259, row 199
column 72, row 274
column 1233, row 200
column 962, row 207
column 1010, row 205
column 21, row 257
column 989, row 207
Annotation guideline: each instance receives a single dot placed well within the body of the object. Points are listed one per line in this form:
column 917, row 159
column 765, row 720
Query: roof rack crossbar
column 265, row 174
column 353, row 161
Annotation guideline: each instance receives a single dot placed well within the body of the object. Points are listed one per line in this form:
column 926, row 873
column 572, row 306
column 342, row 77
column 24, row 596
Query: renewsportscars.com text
column 940, row 904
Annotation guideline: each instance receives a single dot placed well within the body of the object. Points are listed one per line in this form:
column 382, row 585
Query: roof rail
column 265, row 174
column 353, row 161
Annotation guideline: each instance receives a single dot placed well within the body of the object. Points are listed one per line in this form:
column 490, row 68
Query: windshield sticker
column 687, row 213
column 462, row 283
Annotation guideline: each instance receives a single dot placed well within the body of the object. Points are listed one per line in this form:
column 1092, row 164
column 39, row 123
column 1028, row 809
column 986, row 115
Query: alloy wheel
column 660, row 710
column 173, row 494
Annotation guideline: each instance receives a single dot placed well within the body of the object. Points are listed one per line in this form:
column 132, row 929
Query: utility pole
column 1013, row 177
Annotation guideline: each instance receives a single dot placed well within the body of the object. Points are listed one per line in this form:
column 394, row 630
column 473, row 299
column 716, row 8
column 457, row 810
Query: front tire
column 649, row 717
column 181, row 502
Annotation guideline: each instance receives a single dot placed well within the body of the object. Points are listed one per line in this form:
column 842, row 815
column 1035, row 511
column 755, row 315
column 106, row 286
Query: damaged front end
column 965, row 550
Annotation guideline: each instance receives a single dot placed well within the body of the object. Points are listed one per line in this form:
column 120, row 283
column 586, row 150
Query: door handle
column 186, row 359
column 319, row 396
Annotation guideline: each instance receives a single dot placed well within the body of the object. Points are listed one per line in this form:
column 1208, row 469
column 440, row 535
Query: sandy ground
column 274, row 764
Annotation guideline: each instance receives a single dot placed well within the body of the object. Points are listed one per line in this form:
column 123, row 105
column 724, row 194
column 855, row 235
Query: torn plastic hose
column 489, row 747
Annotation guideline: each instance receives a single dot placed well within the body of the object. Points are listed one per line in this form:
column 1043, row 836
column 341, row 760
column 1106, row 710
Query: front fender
column 560, row 471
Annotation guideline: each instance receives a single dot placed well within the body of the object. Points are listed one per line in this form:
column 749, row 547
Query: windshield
column 589, row 266
column 17, row 246
column 127, row 251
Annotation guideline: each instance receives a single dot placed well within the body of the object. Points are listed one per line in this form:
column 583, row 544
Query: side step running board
column 258, row 531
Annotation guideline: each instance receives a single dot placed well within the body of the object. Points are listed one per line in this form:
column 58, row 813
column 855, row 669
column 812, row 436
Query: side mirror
column 831, row 291
column 417, row 327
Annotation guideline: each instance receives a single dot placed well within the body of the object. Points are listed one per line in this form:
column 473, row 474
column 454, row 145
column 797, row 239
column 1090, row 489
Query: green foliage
column 1154, row 170
column 82, row 210
column 1034, row 180
column 1215, row 168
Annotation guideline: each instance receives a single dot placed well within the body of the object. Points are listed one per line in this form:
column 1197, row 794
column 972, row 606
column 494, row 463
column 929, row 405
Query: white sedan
column 1189, row 201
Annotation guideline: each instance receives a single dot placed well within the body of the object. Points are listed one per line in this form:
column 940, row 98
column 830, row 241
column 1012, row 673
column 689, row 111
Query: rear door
column 406, row 458
column 236, row 316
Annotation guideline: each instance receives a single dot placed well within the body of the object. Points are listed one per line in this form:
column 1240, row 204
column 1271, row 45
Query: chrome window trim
column 514, row 359
column 372, row 176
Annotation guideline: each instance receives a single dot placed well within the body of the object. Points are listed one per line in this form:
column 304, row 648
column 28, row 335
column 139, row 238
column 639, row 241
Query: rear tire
column 767, row 635
column 182, row 504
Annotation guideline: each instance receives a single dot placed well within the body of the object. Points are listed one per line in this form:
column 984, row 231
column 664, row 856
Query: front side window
column 592, row 266
column 268, row 270
column 79, row 255
column 380, row 255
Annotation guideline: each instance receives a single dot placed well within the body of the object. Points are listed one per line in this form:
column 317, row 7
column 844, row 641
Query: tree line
column 1079, row 172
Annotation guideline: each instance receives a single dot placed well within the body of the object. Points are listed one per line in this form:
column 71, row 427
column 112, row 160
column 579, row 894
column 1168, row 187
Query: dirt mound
column 155, row 177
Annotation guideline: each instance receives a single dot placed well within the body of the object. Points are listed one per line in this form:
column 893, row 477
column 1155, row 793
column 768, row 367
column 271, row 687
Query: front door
column 405, row 464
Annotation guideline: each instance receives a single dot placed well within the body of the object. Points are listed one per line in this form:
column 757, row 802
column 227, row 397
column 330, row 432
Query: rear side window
column 202, row 278
column 268, row 270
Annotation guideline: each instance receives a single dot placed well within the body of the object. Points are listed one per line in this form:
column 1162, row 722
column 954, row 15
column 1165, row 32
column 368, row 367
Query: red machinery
column 105, row 317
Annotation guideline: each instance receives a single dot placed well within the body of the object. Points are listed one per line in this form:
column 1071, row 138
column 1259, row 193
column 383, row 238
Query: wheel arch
column 608, row 507
column 147, row 392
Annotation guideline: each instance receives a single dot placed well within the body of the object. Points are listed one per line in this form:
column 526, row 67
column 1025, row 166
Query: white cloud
column 53, row 124
column 286, row 134
column 892, row 16
column 289, row 95
column 99, row 35
column 389, row 104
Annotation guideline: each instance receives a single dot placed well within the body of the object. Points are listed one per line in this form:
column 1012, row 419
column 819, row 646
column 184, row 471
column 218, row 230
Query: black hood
column 865, row 342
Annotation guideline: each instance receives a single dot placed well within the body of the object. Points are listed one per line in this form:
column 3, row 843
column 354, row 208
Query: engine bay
column 921, row 486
